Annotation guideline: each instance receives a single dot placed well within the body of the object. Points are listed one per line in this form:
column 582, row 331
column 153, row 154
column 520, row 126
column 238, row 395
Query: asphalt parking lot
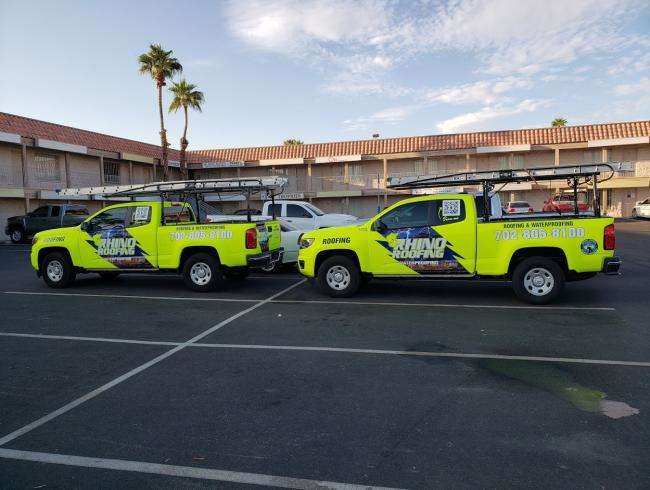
column 142, row 383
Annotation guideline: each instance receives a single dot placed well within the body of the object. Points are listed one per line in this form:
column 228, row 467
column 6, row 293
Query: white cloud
column 482, row 92
column 390, row 115
column 471, row 119
column 642, row 87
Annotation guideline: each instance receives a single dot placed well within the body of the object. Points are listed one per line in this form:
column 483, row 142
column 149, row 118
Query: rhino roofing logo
column 589, row 246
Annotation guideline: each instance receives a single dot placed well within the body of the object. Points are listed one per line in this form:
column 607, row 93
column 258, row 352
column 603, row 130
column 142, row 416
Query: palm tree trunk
column 184, row 144
column 163, row 133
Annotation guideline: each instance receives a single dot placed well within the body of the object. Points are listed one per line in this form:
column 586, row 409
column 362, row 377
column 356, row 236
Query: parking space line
column 444, row 305
column 66, row 408
column 179, row 471
column 345, row 350
column 126, row 296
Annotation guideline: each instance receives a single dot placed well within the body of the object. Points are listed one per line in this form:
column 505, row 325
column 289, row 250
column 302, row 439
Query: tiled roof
column 33, row 128
column 540, row 136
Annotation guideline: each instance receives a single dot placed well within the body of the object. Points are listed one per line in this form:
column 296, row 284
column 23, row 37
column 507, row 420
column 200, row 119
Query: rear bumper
column 611, row 265
column 264, row 259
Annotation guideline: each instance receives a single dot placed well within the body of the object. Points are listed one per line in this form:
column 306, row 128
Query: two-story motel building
column 38, row 157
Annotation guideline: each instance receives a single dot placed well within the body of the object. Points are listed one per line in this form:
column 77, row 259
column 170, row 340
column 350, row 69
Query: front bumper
column 265, row 259
column 611, row 265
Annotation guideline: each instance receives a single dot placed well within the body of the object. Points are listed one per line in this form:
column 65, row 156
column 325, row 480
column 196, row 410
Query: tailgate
column 268, row 235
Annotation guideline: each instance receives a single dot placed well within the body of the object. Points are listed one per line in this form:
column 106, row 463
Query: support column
column 604, row 157
column 557, row 157
column 385, row 179
column 66, row 164
column 467, row 162
column 130, row 172
column 25, row 172
column 308, row 186
column 426, row 164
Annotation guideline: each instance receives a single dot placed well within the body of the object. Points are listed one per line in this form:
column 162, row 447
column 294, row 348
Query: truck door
column 122, row 237
column 37, row 220
column 300, row 217
column 54, row 219
column 433, row 237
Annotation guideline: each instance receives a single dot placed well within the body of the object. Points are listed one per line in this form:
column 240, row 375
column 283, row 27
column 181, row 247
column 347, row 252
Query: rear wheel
column 339, row 277
column 57, row 269
column 634, row 214
column 17, row 235
column 538, row 280
column 202, row 272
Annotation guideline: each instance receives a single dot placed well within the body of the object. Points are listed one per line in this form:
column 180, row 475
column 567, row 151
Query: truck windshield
column 314, row 209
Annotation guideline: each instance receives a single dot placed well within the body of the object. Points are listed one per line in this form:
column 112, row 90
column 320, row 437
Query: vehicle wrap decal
column 423, row 250
column 117, row 246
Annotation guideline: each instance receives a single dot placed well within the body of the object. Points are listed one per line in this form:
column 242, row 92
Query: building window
column 47, row 168
column 421, row 167
column 354, row 170
column 518, row 161
column 111, row 172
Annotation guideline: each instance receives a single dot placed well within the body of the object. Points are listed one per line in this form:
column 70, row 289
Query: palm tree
column 558, row 122
column 291, row 142
column 185, row 96
column 161, row 65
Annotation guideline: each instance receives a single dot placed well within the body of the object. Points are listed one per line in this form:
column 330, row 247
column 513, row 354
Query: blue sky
column 328, row 70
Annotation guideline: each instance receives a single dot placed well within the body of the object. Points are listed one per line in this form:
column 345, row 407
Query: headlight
column 305, row 242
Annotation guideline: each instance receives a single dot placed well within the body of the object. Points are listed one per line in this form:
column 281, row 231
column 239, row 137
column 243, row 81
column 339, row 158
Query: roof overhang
column 640, row 140
column 10, row 137
column 502, row 149
column 57, row 145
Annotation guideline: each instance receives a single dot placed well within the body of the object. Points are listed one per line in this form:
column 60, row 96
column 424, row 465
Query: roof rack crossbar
column 509, row 175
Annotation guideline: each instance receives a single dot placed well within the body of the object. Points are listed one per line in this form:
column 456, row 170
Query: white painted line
column 88, row 339
column 443, row 305
column 179, row 471
column 126, row 296
column 461, row 355
column 66, row 408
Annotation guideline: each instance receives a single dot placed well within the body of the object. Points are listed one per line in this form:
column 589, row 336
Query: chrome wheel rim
column 200, row 273
column 16, row 235
column 54, row 271
column 539, row 281
column 338, row 277
column 269, row 268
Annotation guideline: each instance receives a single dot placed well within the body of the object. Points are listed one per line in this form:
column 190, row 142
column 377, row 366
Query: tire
column 17, row 235
column 57, row 270
column 634, row 215
column 202, row 272
column 109, row 276
column 271, row 268
column 339, row 277
column 528, row 276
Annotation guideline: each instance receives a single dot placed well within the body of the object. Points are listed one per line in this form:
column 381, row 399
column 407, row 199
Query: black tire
column 528, row 276
column 206, row 264
column 349, row 278
column 109, row 276
column 17, row 235
column 272, row 269
column 57, row 270
column 634, row 215
column 237, row 274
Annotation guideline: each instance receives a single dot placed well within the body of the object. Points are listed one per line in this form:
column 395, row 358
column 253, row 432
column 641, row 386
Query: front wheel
column 538, row 280
column 202, row 272
column 17, row 235
column 58, row 271
column 339, row 277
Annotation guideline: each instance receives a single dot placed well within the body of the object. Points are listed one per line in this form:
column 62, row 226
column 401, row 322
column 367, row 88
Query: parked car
column 289, row 243
column 563, row 203
column 306, row 216
column 21, row 228
column 642, row 209
column 517, row 207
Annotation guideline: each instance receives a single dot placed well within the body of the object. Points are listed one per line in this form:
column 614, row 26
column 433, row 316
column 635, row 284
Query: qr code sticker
column 141, row 213
column 451, row 207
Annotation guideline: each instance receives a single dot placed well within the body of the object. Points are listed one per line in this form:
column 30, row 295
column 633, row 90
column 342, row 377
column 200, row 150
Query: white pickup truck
column 305, row 216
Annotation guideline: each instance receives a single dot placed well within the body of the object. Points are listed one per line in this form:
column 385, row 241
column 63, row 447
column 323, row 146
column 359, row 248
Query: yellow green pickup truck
column 153, row 236
column 452, row 236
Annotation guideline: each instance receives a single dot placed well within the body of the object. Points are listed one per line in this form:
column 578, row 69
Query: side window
column 295, row 211
column 108, row 219
column 138, row 216
column 56, row 211
column 408, row 215
column 447, row 211
column 178, row 214
column 40, row 212
column 277, row 209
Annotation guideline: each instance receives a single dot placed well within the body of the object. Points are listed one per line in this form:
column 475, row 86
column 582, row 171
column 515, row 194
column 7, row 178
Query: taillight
column 511, row 210
column 251, row 238
column 531, row 210
column 609, row 237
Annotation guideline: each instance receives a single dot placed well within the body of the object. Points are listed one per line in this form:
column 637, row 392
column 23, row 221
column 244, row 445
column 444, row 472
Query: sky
column 328, row 70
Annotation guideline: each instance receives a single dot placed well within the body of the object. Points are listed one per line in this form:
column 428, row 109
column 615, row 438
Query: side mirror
column 380, row 226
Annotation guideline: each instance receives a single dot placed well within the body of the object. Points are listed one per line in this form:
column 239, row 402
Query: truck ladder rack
column 207, row 186
column 506, row 176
